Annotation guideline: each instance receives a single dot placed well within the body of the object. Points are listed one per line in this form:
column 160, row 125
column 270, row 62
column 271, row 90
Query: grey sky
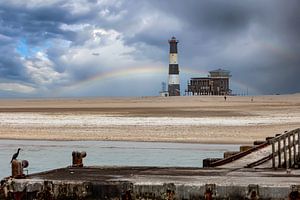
column 51, row 48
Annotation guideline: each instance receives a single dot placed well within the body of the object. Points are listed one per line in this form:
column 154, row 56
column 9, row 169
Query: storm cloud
column 119, row 48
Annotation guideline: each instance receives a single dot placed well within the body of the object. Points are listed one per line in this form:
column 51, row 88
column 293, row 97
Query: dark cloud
column 255, row 40
column 35, row 24
column 11, row 66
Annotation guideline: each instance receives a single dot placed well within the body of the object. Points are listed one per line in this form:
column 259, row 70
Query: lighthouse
column 174, row 85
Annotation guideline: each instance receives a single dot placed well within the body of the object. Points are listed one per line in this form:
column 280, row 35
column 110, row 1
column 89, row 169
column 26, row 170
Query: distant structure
column 217, row 83
column 174, row 84
column 163, row 92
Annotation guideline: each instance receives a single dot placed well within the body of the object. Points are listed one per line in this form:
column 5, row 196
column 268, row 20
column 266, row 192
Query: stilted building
column 174, row 84
column 217, row 83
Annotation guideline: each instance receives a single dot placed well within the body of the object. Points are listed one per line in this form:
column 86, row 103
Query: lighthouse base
column 174, row 90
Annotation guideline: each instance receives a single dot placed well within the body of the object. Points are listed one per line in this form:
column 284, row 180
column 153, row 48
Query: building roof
column 200, row 78
column 219, row 71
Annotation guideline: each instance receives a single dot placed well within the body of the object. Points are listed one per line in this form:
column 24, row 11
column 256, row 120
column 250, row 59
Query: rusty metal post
column 279, row 153
column 273, row 154
column 77, row 158
column 17, row 167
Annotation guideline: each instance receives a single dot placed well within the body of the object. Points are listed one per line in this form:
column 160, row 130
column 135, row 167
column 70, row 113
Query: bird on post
column 14, row 157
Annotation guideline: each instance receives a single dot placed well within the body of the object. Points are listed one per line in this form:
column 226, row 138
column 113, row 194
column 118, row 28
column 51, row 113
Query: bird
column 14, row 157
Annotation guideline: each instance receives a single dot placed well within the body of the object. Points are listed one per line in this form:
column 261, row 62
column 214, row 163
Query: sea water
column 47, row 155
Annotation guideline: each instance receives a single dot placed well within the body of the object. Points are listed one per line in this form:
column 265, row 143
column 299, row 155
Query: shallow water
column 46, row 155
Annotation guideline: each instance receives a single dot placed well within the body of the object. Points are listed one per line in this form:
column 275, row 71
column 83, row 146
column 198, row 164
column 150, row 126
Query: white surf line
column 38, row 119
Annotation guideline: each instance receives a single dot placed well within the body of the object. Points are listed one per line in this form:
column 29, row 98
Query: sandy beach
column 198, row 119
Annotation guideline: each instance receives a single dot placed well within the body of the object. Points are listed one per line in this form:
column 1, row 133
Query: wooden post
column 273, row 154
column 290, row 149
column 294, row 148
column 298, row 145
column 279, row 152
column 284, row 151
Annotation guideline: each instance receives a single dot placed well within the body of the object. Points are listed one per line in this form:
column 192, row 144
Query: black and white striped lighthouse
column 174, row 84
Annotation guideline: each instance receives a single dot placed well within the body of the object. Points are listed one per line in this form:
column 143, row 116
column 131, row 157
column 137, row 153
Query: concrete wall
column 38, row 189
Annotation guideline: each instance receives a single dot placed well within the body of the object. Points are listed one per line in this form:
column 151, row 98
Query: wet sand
column 202, row 119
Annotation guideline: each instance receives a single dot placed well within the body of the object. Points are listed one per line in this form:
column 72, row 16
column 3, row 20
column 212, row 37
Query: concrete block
column 245, row 148
column 258, row 142
column 207, row 161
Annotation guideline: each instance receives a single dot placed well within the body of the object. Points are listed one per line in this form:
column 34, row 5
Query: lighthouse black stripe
column 173, row 47
column 173, row 69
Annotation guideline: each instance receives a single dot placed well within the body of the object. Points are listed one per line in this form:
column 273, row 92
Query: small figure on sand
column 251, row 99
column 225, row 97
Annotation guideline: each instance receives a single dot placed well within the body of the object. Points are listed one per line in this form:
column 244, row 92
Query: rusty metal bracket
column 253, row 192
column 210, row 191
column 295, row 192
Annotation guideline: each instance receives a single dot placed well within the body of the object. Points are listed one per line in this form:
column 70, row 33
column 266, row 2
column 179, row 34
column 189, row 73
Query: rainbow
column 135, row 71
column 127, row 72
column 193, row 72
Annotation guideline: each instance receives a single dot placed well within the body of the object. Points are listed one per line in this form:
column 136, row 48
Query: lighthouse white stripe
column 173, row 58
column 173, row 79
